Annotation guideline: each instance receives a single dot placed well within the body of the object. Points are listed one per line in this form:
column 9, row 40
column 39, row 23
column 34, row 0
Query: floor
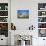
column 3, row 45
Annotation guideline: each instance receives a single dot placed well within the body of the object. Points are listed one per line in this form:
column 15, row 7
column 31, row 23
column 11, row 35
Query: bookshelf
column 42, row 19
column 4, row 19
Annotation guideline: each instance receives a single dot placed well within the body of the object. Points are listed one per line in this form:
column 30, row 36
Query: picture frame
column 23, row 14
column 42, row 33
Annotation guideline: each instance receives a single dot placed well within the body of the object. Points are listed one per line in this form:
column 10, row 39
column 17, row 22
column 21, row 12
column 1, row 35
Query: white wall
column 23, row 24
column 32, row 5
column 4, row 41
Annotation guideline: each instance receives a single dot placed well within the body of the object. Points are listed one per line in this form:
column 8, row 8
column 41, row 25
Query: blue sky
column 23, row 11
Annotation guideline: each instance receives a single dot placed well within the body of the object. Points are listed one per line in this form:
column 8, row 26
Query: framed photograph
column 41, row 19
column 41, row 13
column 4, row 29
column 23, row 14
column 42, row 32
column 3, row 13
column 41, row 6
column 3, row 6
column 41, row 25
column 3, row 19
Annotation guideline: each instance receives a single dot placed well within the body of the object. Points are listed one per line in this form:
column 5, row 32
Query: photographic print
column 3, row 19
column 41, row 19
column 41, row 13
column 3, row 13
column 3, row 6
column 4, row 29
column 42, row 32
column 41, row 6
column 41, row 25
column 23, row 14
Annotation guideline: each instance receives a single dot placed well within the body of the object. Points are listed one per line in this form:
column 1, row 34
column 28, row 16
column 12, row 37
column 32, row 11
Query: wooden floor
column 3, row 45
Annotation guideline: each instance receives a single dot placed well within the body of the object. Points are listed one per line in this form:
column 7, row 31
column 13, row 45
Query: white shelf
column 3, row 16
column 41, row 22
column 3, row 10
column 3, row 22
column 42, row 16
column 41, row 10
column 41, row 28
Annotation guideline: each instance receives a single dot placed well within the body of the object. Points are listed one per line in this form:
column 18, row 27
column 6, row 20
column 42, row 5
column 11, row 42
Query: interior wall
column 32, row 6
column 23, row 24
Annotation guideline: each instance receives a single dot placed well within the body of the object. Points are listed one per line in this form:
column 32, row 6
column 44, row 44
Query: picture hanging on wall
column 23, row 14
